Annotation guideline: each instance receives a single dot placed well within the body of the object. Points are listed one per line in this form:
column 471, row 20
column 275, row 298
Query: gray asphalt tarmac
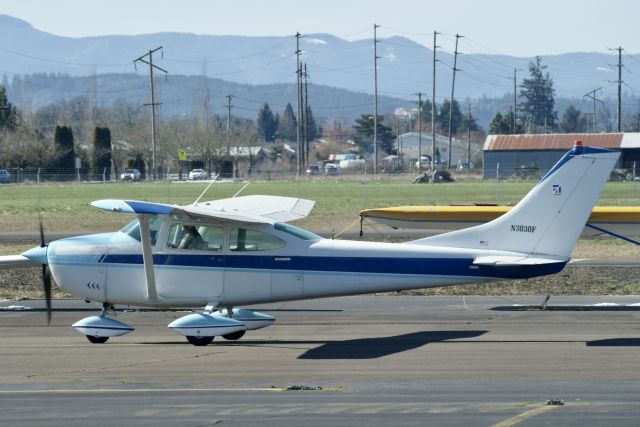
column 378, row 360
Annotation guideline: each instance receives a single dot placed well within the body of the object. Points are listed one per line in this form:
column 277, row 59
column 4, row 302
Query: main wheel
column 200, row 341
column 97, row 340
column 234, row 335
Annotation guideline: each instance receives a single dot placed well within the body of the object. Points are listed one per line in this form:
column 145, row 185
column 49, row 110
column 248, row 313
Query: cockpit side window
column 195, row 237
column 133, row 230
column 246, row 239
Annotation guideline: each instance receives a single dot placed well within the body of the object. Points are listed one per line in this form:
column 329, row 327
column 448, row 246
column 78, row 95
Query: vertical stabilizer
column 550, row 218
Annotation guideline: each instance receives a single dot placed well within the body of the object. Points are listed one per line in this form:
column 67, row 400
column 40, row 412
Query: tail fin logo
column 556, row 190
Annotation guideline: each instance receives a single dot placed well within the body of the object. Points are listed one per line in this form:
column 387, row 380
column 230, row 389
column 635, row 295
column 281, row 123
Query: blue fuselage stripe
column 362, row 265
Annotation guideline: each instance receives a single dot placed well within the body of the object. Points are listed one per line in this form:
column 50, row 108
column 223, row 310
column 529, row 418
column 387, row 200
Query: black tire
column 200, row 341
column 234, row 335
column 97, row 340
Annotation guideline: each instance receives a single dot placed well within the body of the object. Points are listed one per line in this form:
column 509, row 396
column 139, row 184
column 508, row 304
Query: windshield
column 295, row 231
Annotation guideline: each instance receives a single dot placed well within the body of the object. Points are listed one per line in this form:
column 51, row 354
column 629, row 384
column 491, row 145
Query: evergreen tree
column 64, row 151
column 287, row 124
column 572, row 121
column 469, row 122
column 364, row 135
column 442, row 118
column 267, row 125
column 312, row 127
column 538, row 94
column 426, row 111
column 101, row 153
column 8, row 113
column 500, row 125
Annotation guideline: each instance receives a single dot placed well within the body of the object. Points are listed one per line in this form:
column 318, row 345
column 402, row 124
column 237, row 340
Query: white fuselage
column 109, row 268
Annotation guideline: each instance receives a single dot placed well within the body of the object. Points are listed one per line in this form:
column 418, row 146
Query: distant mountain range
column 262, row 69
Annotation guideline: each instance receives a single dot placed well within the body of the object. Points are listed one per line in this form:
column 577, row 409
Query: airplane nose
column 37, row 254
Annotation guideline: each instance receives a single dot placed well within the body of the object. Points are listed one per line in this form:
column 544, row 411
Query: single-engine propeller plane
column 229, row 253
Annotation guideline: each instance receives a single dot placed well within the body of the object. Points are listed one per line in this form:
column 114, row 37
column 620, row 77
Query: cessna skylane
column 225, row 254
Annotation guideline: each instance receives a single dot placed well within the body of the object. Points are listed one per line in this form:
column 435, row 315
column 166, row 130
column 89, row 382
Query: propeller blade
column 41, row 227
column 46, row 285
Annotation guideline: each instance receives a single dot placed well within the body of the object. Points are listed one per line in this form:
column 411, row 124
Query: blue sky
column 519, row 28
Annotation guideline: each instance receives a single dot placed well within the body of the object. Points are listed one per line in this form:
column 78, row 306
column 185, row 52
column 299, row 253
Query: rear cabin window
column 195, row 237
column 246, row 240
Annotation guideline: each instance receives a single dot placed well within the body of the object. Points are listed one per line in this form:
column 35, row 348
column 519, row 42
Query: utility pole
column 375, row 97
column 152, row 104
column 469, row 138
column 229, row 98
column 619, row 81
column 233, row 163
column 453, row 85
column 433, row 107
column 592, row 95
column 298, row 124
column 515, row 100
column 306, row 114
column 419, row 132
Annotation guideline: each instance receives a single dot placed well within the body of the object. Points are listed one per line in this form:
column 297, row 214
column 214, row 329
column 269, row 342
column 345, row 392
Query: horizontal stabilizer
column 514, row 261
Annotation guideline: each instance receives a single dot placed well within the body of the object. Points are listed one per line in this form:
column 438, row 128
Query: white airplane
column 235, row 252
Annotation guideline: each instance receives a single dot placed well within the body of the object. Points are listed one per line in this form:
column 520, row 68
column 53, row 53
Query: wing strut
column 611, row 233
column 147, row 258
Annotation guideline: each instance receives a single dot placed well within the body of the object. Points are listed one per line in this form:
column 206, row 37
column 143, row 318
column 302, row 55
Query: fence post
column 38, row 190
column 634, row 179
column 498, row 183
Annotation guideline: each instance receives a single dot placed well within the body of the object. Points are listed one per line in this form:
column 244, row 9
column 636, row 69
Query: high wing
column 251, row 209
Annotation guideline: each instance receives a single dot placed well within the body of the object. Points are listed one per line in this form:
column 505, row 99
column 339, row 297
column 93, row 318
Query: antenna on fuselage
column 240, row 191
column 206, row 189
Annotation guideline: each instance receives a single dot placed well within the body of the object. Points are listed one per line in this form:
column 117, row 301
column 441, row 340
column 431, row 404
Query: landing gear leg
column 543, row 306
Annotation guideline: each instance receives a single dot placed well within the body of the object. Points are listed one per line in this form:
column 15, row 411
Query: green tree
column 442, row 118
column 469, row 123
column 267, row 125
column 101, row 153
column 500, row 125
column 538, row 94
column 573, row 120
column 64, row 151
column 364, row 135
column 312, row 127
column 8, row 113
column 287, row 124
column 426, row 111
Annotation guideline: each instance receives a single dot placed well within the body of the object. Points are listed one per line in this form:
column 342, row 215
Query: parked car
column 5, row 176
column 198, row 174
column 331, row 169
column 130, row 175
column 313, row 170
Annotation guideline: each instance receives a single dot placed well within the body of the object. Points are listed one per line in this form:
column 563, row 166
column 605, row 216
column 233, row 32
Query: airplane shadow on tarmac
column 372, row 348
